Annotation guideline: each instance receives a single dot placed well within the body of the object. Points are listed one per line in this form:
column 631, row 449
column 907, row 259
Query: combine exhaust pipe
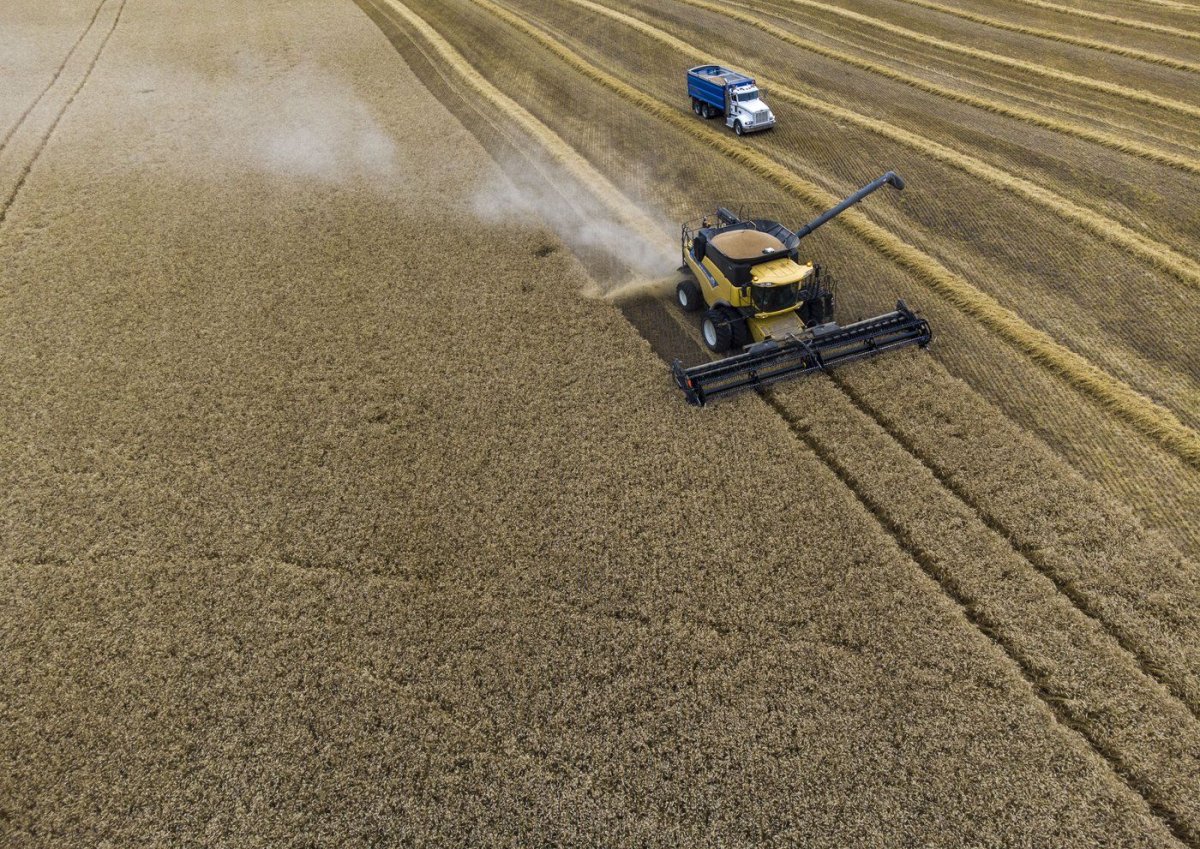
column 818, row 349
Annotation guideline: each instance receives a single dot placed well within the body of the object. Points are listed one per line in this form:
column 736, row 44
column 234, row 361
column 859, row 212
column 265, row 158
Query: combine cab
column 758, row 299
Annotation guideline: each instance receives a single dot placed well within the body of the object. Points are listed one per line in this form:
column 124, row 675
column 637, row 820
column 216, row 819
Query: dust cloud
column 620, row 255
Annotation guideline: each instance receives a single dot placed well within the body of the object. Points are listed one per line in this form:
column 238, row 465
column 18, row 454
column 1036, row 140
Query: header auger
column 760, row 300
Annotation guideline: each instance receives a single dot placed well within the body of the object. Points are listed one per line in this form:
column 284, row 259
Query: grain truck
column 719, row 91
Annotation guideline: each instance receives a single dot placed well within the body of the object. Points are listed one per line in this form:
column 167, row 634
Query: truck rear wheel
column 717, row 330
column 696, row 105
column 687, row 294
column 706, row 111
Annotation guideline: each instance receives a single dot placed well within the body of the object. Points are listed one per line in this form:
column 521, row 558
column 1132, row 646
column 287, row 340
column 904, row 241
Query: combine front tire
column 717, row 330
column 687, row 294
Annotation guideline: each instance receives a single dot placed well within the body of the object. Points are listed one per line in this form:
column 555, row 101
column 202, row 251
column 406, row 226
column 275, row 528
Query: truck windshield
column 773, row 298
column 747, row 96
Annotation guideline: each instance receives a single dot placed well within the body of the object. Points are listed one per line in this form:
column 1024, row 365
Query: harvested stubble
column 1102, row 137
column 1150, row 250
column 1033, row 69
column 1150, row 418
column 1163, row 490
column 1053, row 35
column 309, row 541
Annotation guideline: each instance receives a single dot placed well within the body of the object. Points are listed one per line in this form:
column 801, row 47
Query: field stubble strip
column 23, row 170
column 1147, row 416
column 1095, row 136
column 1031, row 68
column 1051, row 35
column 1155, row 253
column 54, row 77
column 1131, row 23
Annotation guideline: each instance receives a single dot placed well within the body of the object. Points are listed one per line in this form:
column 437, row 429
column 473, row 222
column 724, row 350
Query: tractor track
column 1111, row 393
column 15, row 171
column 649, row 316
column 1051, row 35
column 1106, row 139
column 54, row 77
column 1184, row 831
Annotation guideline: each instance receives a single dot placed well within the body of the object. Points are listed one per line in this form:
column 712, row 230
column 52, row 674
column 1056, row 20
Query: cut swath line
column 1147, row 416
column 24, row 175
column 1120, row 91
column 1131, row 23
column 1100, row 137
column 53, row 79
column 1155, row 253
column 1064, row 38
column 560, row 152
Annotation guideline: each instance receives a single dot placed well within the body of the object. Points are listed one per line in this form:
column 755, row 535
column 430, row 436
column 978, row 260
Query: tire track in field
column 1111, row 755
column 1106, row 139
column 1051, row 35
column 1112, row 394
column 53, row 79
column 1093, row 683
column 1155, row 253
column 1131, row 23
column 1031, row 68
column 1086, row 721
column 15, row 166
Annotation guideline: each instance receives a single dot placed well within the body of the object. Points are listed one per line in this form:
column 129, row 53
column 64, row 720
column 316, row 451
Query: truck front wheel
column 737, row 128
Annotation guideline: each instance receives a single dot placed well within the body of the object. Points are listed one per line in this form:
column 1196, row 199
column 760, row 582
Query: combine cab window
column 773, row 298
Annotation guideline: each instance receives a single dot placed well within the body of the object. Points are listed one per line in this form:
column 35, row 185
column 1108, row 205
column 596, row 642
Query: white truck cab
column 745, row 111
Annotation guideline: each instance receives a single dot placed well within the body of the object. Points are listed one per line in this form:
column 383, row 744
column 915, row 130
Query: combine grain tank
column 776, row 312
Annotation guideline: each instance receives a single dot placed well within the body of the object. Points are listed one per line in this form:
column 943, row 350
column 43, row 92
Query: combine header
column 761, row 301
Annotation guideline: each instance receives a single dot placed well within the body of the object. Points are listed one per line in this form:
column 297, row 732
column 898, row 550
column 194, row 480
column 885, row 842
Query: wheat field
column 347, row 500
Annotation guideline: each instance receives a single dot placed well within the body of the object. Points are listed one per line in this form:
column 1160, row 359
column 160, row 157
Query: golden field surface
column 347, row 500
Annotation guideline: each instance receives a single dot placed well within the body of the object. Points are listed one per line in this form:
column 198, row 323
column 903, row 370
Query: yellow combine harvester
column 761, row 300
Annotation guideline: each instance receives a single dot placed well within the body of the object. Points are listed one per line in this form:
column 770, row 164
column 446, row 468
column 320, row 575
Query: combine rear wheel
column 687, row 294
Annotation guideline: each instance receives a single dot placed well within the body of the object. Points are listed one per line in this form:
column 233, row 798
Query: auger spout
column 890, row 178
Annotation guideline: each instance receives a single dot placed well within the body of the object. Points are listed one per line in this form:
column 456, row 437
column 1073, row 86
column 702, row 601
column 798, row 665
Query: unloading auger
column 760, row 300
